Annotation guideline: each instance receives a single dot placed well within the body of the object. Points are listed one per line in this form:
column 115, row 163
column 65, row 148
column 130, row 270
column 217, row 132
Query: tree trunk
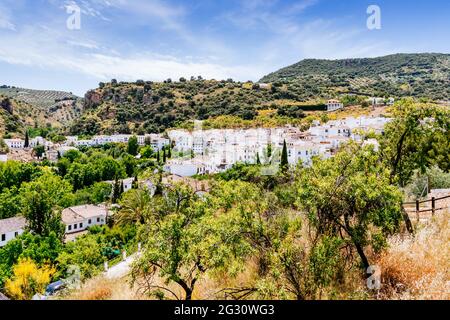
column 362, row 255
column 408, row 223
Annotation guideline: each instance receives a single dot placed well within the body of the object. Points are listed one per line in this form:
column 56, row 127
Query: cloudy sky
column 241, row 39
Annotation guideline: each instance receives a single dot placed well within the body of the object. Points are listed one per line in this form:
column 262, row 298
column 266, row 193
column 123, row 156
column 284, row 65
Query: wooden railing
column 433, row 208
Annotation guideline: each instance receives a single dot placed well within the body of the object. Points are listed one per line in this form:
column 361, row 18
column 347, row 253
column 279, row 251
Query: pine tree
column 157, row 156
column 164, row 155
column 122, row 189
column 284, row 158
column 27, row 139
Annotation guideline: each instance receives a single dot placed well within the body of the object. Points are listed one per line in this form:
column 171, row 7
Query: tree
column 169, row 151
column 134, row 207
column 9, row 203
column 116, row 191
column 164, row 155
column 27, row 139
column 183, row 240
column 351, row 196
column 133, row 146
column 284, row 164
column 269, row 151
column 258, row 161
column 41, row 200
column 416, row 138
column 28, row 279
column 39, row 151
column 147, row 152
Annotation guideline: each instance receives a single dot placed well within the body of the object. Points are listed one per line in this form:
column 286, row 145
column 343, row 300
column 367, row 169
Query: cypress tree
column 164, row 155
column 27, row 139
column 258, row 161
column 284, row 158
column 157, row 156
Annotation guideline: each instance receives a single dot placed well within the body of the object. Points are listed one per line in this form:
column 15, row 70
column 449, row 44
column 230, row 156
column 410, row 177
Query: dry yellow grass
column 418, row 267
column 101, row 288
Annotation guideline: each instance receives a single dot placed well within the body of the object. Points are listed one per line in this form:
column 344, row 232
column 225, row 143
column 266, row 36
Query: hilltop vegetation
column 23, row 108
column 154, row 106
column 398, row 75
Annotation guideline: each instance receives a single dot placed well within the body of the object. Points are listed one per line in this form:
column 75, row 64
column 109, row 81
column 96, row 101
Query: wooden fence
column 432, row 205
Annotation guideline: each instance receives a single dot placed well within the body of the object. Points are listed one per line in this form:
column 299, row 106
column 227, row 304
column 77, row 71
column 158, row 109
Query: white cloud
column 49, row 49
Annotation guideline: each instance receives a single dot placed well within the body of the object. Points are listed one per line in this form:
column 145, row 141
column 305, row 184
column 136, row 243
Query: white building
column 11, row 228
column 333, row 105
column 15, row 143
column 3, row 157
column 82, row 217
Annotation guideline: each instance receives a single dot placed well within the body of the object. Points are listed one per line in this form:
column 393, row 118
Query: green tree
column 39, row 151
column 183, row 240
column 284, row 164
column 351, row 196
column 134, row 207
column 40, row 202
column 417, row 137
column 133, row 146
column 27, row 139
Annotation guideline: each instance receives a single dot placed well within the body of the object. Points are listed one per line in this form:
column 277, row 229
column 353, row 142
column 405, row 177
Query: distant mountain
column 20, row 108
column 418, row 75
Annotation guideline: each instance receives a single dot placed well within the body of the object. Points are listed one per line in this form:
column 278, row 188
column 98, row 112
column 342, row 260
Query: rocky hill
column 154, row 106
column 418, row 75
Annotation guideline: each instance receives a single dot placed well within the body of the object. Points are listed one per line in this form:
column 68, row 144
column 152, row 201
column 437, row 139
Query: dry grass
column 101, row 288
column 418, row 267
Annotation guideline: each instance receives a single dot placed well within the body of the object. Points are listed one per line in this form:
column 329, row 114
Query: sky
column 42, row 45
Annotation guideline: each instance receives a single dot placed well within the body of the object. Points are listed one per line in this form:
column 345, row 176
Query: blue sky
column 241, row 39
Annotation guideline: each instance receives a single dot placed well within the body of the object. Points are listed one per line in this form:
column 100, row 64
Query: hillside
column 417, row 75
column 154, row 106
column 36, row 108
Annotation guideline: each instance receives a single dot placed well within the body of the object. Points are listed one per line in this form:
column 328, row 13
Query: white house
column 11, row 228
column 333, row 105
column 3, row 157
column 80, row 218
column 15, row 143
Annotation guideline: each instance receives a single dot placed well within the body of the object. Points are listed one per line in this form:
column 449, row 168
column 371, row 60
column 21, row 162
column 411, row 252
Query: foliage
column 28, row 279
column 417, row 138
column 133, row 146
column 350, row 195
column 40, row 199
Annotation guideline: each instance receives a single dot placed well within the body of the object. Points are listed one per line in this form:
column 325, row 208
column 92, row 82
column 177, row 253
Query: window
column 16, row 234
column 3, row 237
column 89, row 221
column 70, row 227
column 81, row 225
column 74, row 227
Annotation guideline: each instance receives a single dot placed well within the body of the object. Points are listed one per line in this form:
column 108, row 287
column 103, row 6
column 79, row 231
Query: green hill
column 418, row 75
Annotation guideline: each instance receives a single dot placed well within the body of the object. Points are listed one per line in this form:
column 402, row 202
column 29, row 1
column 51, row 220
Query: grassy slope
column 419, row 75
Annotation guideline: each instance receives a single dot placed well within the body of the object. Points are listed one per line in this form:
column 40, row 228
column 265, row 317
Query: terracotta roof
column 12, row 224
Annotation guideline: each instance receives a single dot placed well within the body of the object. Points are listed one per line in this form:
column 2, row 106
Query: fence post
column 433, row 205
column 418, row 210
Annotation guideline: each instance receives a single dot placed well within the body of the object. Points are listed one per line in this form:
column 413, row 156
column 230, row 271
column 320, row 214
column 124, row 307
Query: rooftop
column 12, row 224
